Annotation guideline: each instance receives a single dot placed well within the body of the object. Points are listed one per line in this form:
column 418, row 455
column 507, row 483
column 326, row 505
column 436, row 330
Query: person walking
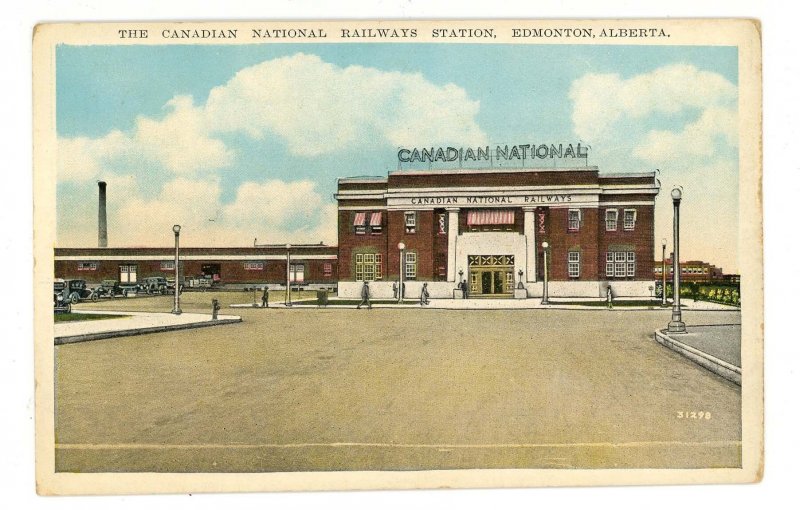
column 394, row 289
column 464, row 289
column 609, row 298
column 424, row 295
column 265, row 298
column 365, row 296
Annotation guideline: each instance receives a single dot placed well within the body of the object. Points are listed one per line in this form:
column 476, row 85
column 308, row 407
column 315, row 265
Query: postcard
column 334, row 255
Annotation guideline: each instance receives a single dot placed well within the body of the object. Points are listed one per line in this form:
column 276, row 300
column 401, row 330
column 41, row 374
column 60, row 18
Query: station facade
column 486, row 228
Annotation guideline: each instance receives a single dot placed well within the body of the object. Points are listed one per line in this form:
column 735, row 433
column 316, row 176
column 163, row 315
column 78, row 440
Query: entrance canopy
column 490, row 217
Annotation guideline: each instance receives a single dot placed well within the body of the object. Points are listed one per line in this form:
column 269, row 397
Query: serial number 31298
column 694, row 415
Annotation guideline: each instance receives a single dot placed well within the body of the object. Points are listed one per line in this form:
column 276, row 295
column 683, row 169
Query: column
column 530, row 243
column 452, row 236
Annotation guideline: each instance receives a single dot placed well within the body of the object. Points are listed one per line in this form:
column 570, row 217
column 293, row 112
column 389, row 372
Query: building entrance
column 491, row 275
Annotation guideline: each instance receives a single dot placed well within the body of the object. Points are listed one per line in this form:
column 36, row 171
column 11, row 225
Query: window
column 411, row 222
column 411, row 266
column 253, row 266
column 87, row 266
column 360, row 223
column 631, row 263
column 574, row 264
column 629, row 220
column 168, row 265
column 375, row 226
column 297, row 273
column 620, row 264
column 327, row 269
column 574, row 220
column 127, row 274
column 369, row 266
column 611, row 219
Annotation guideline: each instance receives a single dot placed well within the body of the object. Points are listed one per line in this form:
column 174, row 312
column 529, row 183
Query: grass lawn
column 71, row 317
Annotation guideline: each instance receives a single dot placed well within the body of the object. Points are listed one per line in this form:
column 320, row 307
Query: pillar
column 452, row 237
column 530, row 244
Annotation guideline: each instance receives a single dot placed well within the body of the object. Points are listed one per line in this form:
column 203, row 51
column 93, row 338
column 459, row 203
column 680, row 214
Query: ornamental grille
column 491, row 260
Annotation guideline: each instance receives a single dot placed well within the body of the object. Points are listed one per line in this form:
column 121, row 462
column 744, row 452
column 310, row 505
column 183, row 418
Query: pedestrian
column 609, row 298
column 464, row 289
column 265, row 298
column 365, row 296
column 424, row 295
column 394, row 289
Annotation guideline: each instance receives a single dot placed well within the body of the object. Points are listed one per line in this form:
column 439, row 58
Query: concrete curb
column 705, row 360
column 140, row 331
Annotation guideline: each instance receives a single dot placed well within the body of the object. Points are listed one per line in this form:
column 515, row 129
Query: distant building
column 695, row 271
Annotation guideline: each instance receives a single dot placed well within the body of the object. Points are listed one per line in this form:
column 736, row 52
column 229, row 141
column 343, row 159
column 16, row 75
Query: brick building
column 311, row 266
column 695, row 271
column 487, row 226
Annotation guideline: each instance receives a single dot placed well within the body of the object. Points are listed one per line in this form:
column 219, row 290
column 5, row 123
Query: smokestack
column 102, row 227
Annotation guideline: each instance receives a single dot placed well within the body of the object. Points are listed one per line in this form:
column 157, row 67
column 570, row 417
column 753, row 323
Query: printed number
column 693, row 415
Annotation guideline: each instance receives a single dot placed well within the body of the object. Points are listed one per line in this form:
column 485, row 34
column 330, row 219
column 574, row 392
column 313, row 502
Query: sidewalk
column 132, row 323
column 717, row 348
column 506, row 303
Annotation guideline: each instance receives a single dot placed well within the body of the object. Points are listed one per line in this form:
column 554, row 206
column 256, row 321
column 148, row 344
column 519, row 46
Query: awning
column 360, row 219
column 375, row 219
column 490, row 217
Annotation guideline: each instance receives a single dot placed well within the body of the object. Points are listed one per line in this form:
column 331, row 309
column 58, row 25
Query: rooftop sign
column 501, row 153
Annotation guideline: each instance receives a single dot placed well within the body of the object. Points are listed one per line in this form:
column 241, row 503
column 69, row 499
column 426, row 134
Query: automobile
column 111, row 289
column 171, row 284
column 154, row 285
column 77, row 290
column 60, row 302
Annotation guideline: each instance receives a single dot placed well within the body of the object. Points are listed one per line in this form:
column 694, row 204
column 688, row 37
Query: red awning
column 490, row 217
column 360, row 219
column 375, row 219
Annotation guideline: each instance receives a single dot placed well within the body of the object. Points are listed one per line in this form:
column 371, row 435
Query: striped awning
column 490, row 217
column 360, row 219
column 375, row 219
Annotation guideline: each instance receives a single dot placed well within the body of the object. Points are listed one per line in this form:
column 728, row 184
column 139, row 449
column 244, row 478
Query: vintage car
column 60, row 302
column 76, row 291
column 154, row 285
column 111, row 289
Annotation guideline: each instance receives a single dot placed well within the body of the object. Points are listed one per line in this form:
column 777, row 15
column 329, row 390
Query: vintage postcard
column 397, row 254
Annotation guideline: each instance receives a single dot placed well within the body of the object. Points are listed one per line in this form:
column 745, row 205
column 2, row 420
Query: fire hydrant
column 214, row 308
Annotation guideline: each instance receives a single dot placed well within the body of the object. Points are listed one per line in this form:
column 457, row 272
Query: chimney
column 102, row 227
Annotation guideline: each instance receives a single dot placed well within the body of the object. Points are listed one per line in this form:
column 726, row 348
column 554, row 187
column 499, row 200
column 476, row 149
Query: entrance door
column 491, row 275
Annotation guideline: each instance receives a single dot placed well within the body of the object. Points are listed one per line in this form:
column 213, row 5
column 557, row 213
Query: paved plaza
column 391, row 389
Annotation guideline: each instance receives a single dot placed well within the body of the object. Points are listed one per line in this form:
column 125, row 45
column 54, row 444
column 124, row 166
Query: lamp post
column 177, row 307
column 288, row 301
column 663, row 272
column 402, row 247
column 676, row 325
column 545, row 299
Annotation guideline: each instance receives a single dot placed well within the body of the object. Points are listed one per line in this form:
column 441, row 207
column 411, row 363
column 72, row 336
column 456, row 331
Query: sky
column 245, row 142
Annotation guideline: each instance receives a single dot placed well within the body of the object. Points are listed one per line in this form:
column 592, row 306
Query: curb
column 61, row 340
column 705, row 360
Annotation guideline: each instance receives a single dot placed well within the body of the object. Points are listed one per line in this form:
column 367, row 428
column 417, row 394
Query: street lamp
column 545, row 300
column 664, row 272
column 676, row 325
column 402, row 247
column 177, row 307
column 288, row 301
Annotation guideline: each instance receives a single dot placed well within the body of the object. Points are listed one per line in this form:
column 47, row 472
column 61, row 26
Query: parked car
column 154, row 285
column 111, row 289
column 60, row 302
column 77, row 290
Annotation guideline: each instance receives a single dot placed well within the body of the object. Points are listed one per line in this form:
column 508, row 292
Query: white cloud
column 319, row 108
column 697, row 138
column 273, row 211
column 601, row 100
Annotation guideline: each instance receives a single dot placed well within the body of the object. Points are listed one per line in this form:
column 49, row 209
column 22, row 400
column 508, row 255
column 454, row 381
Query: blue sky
column 260, row 154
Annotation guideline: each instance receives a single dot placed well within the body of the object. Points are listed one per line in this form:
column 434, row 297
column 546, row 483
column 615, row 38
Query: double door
column 491, row 281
